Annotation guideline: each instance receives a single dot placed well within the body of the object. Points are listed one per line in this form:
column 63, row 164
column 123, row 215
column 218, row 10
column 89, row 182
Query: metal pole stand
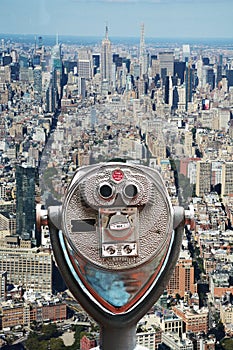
column 138, row 347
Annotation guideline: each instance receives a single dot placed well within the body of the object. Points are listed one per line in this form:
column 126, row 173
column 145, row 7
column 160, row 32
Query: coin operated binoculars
column 116, row 239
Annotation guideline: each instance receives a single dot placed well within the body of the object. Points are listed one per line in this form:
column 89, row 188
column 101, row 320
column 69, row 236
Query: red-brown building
column 23, row 314
column 184, row 162
column 12, row 316
column 87, row 342
column 182, row 279
column 194, row 321
column 48, row 311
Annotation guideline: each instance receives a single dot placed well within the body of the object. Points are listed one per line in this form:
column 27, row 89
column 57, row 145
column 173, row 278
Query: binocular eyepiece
column 116, row 239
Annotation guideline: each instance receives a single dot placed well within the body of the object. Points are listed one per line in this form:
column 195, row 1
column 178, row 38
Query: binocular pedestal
column 138, row 347
column 116, row 240
column 117, row 332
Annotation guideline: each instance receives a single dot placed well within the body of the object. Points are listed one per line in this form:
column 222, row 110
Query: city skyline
column 162, row 18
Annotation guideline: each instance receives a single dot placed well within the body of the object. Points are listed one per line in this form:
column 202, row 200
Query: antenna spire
column 106, row 32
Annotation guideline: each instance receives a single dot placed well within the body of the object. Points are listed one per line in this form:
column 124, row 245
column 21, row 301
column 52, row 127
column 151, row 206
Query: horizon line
column 121, row 36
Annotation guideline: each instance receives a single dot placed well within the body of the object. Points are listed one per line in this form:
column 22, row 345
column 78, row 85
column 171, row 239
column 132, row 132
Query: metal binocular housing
column 116, row 239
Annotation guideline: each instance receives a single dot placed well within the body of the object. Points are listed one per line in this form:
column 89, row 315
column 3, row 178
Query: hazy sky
column 161, row 18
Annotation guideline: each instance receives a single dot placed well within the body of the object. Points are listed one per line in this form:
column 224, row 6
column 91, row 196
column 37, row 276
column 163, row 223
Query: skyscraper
column 219, row 75
column 199, row 68
column 168, row 96
column 203, row 184
column 37, row 77
column 142, row 54
column 227, row 181
column 166, row 60
column 57, row 67
column 106, row 62
column 25, row 201
column 51, row 96
column 96, row 62
column 85, row 63
column 179, row 69
column 188, row 84
column 208, row 77
column 186, row 52
column 56, row 59
column 182, row 279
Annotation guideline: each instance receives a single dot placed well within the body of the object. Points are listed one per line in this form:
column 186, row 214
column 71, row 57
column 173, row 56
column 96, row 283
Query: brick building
column 24, row 313
column 195, row 320
column 87, row 342
column 45, row 311
column 11, row 315
column 182, row 279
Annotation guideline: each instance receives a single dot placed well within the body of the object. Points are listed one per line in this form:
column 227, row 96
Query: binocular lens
column 131, row 191
column 105, row 191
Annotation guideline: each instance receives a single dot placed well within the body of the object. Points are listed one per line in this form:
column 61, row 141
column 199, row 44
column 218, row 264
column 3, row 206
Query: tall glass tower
column 56, row 57
column 57, row 68
column 25, row 201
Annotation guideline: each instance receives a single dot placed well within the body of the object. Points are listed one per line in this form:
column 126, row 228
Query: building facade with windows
column 195, row 321
column 3, row 284
column 25, row 201
column 28, row 268
column 182, row 279
column 174, row 342
column 25, row 313
column 203, row 184
column 150, row 339
column 227, row 179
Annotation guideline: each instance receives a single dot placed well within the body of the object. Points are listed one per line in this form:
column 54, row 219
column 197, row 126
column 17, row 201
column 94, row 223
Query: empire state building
column 106, row 63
